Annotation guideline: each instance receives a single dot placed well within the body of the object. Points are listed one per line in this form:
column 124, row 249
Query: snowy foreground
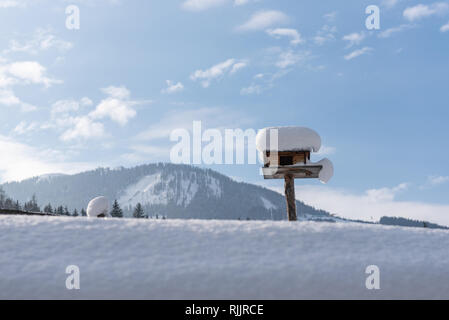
column 182, row 259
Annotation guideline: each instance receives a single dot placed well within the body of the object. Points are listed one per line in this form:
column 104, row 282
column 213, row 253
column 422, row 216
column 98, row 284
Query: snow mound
column 327, row 172
column 289, row 139
column 181, row 259
column 97, row 207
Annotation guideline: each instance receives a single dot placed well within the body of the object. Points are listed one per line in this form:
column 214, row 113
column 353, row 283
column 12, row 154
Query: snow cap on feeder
column 98, row 208
column 287, row 150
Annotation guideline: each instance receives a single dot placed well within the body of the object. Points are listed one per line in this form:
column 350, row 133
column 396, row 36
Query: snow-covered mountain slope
column 193, row 259
column 180, row 189
column 172, row 191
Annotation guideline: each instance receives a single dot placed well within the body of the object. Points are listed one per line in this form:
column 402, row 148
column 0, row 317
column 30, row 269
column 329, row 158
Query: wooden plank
column 297, row 172
column 290, row 197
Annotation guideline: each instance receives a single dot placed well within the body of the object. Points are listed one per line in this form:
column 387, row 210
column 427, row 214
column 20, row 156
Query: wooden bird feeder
column 286, row 152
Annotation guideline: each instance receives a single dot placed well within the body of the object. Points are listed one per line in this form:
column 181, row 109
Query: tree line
column 32, row 206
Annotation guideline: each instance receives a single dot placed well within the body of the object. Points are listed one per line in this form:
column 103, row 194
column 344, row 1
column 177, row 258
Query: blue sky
column 109, row 93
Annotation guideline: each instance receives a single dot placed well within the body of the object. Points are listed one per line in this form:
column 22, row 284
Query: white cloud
column 9, row 3
column 213, row 117
column 21, row 73
column 42, row 40
column 117, row 106
column 330, row 16
column 370, row 205
column 200, row 5
column 293, row 34
column 385, row 193
column 325, row 34
column 83, row 128
column 421, row 11
column 23, row 127
column 237, row 66
column 390, row 3
column 433, row 181
column 30, row 72
column 20, row 161
column 263, row 20
column 67, row 106
column 389, row 32
column 117, row 110
column 290, row 58
column 173, row 87
column 445, row 27
column 243, row 2
column 217, row 71
column 252, row 89
column 326, row 151
column 117, row 92
column 354, row 38
column 357, row 53
column 8, row 98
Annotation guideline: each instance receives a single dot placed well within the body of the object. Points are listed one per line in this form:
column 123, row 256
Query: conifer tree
column 116, row 212
column 138, row 211
column 48, row 209
column 60, row 211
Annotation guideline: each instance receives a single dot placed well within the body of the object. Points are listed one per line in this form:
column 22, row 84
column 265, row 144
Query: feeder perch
column 286, row 153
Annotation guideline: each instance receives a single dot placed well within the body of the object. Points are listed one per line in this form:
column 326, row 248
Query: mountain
column 166, row 190
column 397, row 221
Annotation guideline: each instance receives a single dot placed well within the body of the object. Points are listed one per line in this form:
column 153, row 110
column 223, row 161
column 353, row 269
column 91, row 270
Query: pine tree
column 34, row 206
column 60, row 211
column 75, row 213
column 66, row 211
column 138, row 211
column 116, row 212
column 48, row 209
column 83, row 213
column 2, row 198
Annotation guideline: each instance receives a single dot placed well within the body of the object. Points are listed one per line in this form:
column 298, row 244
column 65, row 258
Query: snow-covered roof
column 289, row 139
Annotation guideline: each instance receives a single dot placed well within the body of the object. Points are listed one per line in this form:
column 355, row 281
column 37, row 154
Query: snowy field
column 181, row 259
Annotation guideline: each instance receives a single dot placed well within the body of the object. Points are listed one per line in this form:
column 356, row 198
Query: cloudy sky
column 110, row 93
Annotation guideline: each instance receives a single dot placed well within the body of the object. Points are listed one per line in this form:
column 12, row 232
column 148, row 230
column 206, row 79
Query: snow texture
column 98, row 206
column 181, row 259
column 155, row 189
column 268, row 204
column 289, row 139
column 328, row 170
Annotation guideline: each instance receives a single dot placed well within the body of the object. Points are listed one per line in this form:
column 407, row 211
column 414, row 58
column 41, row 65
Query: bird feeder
column 286, row 153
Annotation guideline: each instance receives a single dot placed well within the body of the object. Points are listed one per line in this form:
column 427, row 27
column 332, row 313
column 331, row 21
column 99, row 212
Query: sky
column 111, row 92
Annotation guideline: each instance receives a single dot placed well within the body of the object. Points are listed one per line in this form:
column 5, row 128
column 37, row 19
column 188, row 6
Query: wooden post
column 290, row 197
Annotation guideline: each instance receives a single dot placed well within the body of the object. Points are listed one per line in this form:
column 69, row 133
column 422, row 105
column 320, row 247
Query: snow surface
column 289, row 139
column 182, row 259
